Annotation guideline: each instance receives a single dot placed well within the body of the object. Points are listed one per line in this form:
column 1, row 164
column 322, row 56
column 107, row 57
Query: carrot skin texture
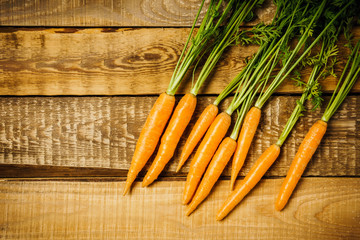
column 213, row 172
column 252, row 178
column 304, row 154
column 170, row 139
column 246, row 136
column 198, row 131
column 149, row 136
column 204, row 153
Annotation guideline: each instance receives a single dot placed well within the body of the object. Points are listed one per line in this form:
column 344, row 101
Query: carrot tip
column 219, row 217
column 126, row 190
column 232, row 183
column 184, row 201
column 279, row 206
column 278, row 209
column 146, row 182
column 189, row 210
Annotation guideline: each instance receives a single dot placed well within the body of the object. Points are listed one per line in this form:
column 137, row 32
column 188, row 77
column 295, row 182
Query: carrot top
column 199, row 43
column 306, row 31
column 242, row 11
column 323, row 64
column 346, row 81
column 286, row 21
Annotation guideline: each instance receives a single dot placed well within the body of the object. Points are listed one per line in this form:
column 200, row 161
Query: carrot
column 301, row 159
column 149, row 136
column 230, row 34
column 251, row 81
column 204, row 154
column 288, row 66
column 198, row 131
column 207, row 117
column 216, row 166
column 220, row 159
column 199, row 43
column 178, row 122
column 182, row 117
column 247, row 133
column 252, row 178
column 317, row 131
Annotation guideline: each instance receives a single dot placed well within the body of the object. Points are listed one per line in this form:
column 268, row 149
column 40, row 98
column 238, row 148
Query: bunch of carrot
column 329, row 34
column 184, row 110
column 211, row 37
column 286, row 21
column 314, row 22
column 163, row 107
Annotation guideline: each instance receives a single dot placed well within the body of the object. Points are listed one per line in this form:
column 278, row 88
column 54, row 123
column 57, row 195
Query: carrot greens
column 185, row 109
column 328, row 50
column 230, row 36
column 163, row 107
column 350, row 74
column 207, row 30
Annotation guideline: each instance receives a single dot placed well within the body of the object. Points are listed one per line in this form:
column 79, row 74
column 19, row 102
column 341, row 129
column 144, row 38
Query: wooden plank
column 101, row 132
column 321, row 208
column 102, row 61
column 108, row 13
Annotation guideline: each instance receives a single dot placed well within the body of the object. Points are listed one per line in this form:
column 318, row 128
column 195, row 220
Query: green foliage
column 258, row 35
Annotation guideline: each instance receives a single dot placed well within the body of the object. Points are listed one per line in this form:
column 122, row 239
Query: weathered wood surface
column 321, row 208
column 109, row 13
column 103, row 61
column 101, row 132
column 84, row 144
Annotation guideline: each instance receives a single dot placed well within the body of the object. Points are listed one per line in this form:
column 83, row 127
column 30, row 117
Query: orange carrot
column 302, row 158
column 213, row 172
column 246, row 136
column 252, row 178
column 198, row 131
column 178, row 122
column 204, row 154
column 149, row 136
column 349, row 76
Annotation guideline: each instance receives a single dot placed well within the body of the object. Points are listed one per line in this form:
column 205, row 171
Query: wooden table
column 77, row 82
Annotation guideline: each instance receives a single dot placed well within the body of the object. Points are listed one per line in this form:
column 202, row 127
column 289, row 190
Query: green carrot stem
column 286, row 70
column 227, row 38
column 171, row 90
column 245, row 107
column 253, row 78
column 199, row 43
column 295, row 115
column 350, row 78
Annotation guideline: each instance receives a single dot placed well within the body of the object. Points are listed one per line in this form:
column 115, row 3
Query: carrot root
column 252, row 178
column 170, row 139
column 149, row 136
column 213, row 172
column 204, row 153
column 304, row 154
column 198, row 131
column 246, row 136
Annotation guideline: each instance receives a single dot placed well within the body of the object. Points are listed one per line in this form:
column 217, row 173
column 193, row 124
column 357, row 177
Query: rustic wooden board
column 108, row 13
column 321, row 208
column 103, row 61
column 101, row 132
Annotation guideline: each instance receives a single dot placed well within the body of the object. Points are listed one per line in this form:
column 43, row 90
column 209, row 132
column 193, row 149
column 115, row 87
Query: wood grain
column 101, row 132
column 321, row 208
column 108, row 12
column 103, row 61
